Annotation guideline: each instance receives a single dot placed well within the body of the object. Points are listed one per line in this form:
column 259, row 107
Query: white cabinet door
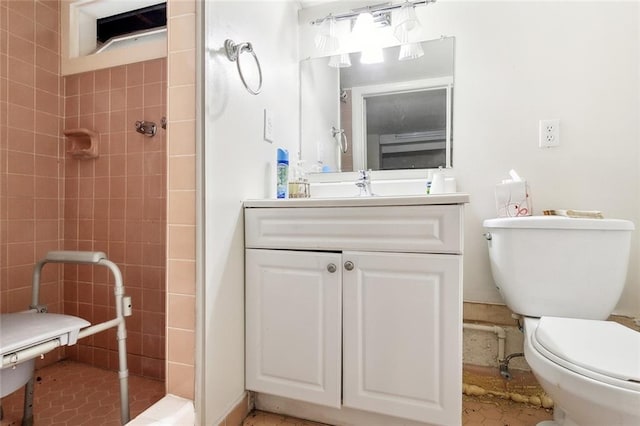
column 293, row 329
column 402, row 335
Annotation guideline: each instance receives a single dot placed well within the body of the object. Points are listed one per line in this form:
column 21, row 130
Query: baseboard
column 239, row 411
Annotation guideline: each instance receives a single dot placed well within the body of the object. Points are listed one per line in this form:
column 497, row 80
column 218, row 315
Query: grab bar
column 69, row 256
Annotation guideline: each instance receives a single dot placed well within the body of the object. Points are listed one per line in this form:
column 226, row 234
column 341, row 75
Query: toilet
column 565, row 276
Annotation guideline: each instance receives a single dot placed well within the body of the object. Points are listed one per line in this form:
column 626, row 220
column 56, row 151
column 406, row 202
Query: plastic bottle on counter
column 282, row 174
column 429, row 180
column 437, row 184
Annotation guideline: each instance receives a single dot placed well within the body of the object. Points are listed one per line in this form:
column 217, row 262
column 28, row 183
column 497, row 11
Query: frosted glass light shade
column 326, row 40
column 340, row 61
column 405, row 20
column 410, row 51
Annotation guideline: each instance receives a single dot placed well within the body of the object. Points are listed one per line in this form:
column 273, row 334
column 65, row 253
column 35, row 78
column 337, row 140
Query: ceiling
column 310, row 3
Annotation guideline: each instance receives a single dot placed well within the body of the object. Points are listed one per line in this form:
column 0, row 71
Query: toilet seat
column 601, row 350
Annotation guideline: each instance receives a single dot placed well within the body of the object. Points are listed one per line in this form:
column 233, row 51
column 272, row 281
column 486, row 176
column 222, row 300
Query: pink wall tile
column 53, row 204
column 181, row 277
column 115, row 210
column 181, row 379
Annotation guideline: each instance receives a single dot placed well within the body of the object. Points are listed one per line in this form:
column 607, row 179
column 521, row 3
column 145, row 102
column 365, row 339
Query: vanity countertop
column 403, row 200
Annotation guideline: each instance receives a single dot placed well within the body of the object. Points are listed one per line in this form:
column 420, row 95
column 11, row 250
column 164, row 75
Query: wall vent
column 99, row 34
column 132, row 21
column 137, row 23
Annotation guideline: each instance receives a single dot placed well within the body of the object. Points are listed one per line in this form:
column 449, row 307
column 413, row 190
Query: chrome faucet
column 364, row 183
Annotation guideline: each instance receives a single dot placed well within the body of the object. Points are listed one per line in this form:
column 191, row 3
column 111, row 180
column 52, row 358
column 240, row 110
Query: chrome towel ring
column 344, row 144
column 234, row 51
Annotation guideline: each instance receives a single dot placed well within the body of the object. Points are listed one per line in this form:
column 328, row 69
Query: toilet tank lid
column 604, row 347
column 558, row 222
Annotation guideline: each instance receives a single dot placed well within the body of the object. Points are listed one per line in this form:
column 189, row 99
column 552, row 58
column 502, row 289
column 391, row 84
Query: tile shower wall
column 116, row 203
column 181, row 215
column 30, row 158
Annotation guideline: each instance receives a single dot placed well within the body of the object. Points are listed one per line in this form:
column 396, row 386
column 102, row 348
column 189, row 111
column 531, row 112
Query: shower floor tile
column 69, row 393
column 484, row 411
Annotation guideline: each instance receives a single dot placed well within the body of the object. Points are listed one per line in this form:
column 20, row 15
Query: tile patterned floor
column 69, row 393
column 485, row 411
column 74, row 394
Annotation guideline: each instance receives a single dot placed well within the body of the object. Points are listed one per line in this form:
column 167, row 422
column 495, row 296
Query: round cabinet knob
column 348, row 265
column 332, row 268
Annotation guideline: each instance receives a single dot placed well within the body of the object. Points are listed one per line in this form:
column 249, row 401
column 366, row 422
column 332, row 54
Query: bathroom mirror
column 394, row 115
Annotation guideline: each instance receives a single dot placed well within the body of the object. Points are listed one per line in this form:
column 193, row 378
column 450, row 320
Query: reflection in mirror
column 406, row 130
column 395, row 114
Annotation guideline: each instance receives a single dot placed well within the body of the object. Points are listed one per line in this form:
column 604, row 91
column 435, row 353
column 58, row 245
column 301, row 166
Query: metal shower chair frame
column 82, row 258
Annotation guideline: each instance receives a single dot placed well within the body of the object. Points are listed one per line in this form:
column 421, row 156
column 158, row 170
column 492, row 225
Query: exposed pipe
column 504, row 365
column 497, row 330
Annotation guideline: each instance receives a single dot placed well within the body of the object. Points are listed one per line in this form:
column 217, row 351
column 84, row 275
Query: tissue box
column 512, row 199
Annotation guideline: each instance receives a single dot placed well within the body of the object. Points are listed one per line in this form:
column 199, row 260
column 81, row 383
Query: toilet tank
column 559, row 266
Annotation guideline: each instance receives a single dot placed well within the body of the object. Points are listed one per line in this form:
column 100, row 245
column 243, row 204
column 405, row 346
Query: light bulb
column 364, row 25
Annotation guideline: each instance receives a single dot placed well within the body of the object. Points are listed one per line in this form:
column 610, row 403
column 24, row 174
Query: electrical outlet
column 549, row 135
column 268, row 125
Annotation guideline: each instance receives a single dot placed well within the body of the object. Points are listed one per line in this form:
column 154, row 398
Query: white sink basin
column 378, row 187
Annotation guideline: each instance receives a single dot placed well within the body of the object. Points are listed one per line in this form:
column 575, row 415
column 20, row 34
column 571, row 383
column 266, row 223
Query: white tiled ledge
column 400, row 200
column 170, row 410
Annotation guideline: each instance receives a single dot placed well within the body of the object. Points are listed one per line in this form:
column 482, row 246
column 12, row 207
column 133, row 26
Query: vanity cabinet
column 356, row 307
column 400, row 356
column 294, row 324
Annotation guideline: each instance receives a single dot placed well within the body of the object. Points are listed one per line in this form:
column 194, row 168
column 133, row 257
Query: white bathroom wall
column 517, row 63
column 239, row 165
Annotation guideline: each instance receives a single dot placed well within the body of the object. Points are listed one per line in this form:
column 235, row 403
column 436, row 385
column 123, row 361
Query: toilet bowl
column 591, row 369
column 565, row 276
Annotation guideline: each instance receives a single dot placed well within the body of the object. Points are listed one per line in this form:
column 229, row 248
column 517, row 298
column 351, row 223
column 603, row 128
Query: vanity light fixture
column 405, row 20
column 326, row 40
column 367, row 20
column 380, row 12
